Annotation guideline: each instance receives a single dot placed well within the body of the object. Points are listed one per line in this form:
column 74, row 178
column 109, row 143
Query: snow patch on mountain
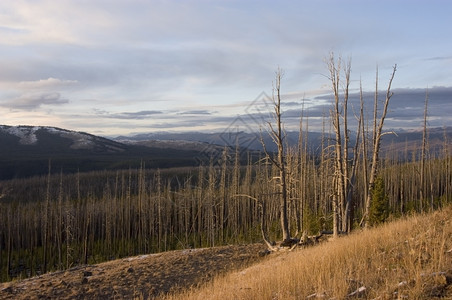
column 80, row 140
column 27, row 135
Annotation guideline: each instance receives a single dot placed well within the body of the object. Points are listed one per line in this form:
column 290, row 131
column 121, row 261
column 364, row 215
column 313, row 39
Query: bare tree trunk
column 354, row 166
column 278, row 136
column 86, row 233
column 346, row 181
column 46, row 222
column 338, row 174
column 447, row 158
column 159, row 209
column 59, row 229
column 222, row 207
column 341, row 204
column 68, row 238
column 280, row 163
column 422, row 159
column 365, row 166
column 9, row 241
column 376, row 147
column 300, row 203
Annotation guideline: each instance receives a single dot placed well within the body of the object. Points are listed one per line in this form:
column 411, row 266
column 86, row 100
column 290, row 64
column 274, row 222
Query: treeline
column 67, row 220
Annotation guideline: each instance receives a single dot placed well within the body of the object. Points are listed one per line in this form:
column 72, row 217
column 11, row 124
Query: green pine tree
column 379, row 209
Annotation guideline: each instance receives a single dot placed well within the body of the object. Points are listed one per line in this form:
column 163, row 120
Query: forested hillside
column 25, row 151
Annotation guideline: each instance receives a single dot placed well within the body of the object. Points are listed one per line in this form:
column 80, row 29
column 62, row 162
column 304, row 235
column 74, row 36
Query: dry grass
column 409, row 258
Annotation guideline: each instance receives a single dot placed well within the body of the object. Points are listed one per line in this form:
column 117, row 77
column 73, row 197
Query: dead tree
column 341, row 198
column 277, row 134
column 376, row 140
column 423, row 155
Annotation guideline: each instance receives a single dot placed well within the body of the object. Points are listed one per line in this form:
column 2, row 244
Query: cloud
column 139, row 115
column 439, row 58
column 32, row 94
column 33, row 101
column 292, row 103
column 53, row 22
column 49, row 83
column 196, row 112
column 405, row 107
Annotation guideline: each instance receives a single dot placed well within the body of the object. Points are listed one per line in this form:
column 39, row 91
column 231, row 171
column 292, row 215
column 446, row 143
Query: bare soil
column 141, row 277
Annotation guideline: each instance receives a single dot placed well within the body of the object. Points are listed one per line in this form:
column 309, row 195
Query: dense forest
column 61, row 220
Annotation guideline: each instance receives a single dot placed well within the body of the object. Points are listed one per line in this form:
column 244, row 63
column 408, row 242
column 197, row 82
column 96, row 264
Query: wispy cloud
column 139, row 115
column 196, row 112
column 49, row 83
column 34, row 101
column 406, row 106
column 439, row 58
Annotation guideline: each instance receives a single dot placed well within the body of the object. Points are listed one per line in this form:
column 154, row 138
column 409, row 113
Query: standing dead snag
column 277, row 134
column 423, row 155
column 343, row 172
column 378, row 128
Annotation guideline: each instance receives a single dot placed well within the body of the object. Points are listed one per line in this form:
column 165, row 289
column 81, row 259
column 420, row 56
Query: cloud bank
column 161, row 63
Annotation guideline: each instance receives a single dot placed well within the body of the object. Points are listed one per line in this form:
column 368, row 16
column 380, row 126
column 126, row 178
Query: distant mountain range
column 399, row 141
column 26, row 150
column 245, row 140
column 404, row 143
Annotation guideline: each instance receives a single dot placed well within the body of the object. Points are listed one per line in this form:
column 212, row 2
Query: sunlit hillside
column 407, row 259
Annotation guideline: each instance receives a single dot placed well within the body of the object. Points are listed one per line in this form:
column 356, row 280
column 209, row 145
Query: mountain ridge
column 31, row 150
column 252, row 140
column 27, row 150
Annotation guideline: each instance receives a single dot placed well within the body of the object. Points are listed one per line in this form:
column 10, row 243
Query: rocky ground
column 140, row 277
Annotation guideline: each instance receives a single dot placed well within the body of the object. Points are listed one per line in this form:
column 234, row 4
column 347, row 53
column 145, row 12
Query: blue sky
column 112, row 67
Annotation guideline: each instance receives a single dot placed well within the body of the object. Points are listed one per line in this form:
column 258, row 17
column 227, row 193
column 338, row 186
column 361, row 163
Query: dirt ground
column 141, row 277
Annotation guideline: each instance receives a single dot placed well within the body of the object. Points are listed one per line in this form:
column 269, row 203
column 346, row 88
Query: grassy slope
column 409, row 258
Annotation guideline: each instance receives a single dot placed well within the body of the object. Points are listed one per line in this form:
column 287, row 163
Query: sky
column 121, row 67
